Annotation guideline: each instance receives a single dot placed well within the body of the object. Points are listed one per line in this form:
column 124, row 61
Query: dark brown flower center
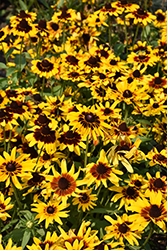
column 158, row 183
column 42, row 120
column 160, row 17
column 113, row 62
column 24, row 26
column 54, row 26
column 123, row 228
column 89, row 117
column 46, row 156
column 127, row 93
column 1, row 33
column 45, row 65
column 69, row 134
column 50, row 210
column 130, row 191
column 160, row 157
column 158, row 80
column 86, row 38
column 42, row 24
column 123, row 127
column 93, row 61
column 130, row 79
column 23, row 14
column 11, row 167
column 141, row 12
column 138, row 183
column 107, row 111
column 101, row 168
column 155, row 211
column 136, row 73
column 63, row 183
column 72, row 59
column 107, row 6
column 101, row 246
column 45, row 130
column 102, row 76
column 142, row 57
column 155, row 105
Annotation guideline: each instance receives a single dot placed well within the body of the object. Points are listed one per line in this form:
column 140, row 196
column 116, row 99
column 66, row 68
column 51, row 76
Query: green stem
column 126, row 112
column 10, row 135
column 64, row 37
column 4, row 134
column 109, row 30
column 145, row 5
column 136, row 33
column 39, row 154
column 86, row 153
column 126, row 35
column 21, row 53
column 16, row 196
column 43, row 85
column 150, row 233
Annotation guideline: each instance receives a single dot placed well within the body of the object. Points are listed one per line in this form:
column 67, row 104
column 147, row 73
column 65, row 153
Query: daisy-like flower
column 85, row 200
column 23, row 28
column 142, row 59
column 11, row 168
column 137, row 181
column 129, row 92
column 124, row 228
column 156, row 82
column 126, row 153
column 34, row 183
column 161, row 19
column 112, row 9
column 81, row 239
column 89, row 122
column 46, row 67
column 160, row 130
column 141, row 16
column 71, row 139
column 152, row 210
column 65, row 184
column 50, row 211
column 44, row 245
column 157, row 157
column 155, row 184
column 4, row 206
column 101, row 171
column 9, row 246
column 127, row 194
column 44, row 137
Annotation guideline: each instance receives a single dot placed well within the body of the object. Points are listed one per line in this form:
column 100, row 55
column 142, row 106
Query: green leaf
column 103, row 211
column 44, row 3
column 9, row 52
column 23, row 6
column 27, row 214
column 10, row 71
column 3, row 66
column 15, row 234
column 61, row 2
column 26, row 237
column 9, row 225
column 17, row 61
column 143, row 121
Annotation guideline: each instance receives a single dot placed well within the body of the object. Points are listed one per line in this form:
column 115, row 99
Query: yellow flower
column 50, row 211
column 4, row 206
column 85, row 200
column 124, row 228
column 101, row 171
column 154, row 209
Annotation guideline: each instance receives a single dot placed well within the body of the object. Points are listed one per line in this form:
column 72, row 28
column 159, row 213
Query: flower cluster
column 83, row 127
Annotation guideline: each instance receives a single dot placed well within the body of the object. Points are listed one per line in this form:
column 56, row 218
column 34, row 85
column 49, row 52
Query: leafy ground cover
column 83, row 126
